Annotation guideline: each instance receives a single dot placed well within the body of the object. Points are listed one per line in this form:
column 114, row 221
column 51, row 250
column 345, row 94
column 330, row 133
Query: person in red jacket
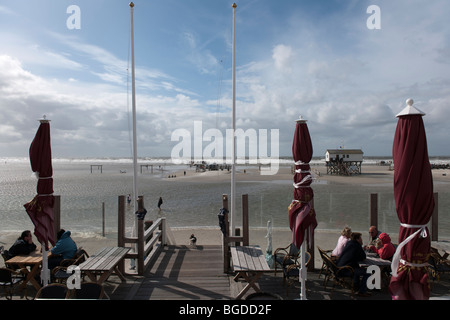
column 384, row 248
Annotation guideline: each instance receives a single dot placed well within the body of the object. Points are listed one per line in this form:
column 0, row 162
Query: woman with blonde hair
column 342, row 241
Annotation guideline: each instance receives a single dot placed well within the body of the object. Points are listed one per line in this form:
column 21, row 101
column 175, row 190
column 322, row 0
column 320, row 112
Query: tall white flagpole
column 133, row 102
column 233, row 151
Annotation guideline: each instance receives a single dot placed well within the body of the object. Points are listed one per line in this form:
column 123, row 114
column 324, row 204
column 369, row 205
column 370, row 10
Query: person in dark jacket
column 65, row 248
column 23, row 246
column 352, row 254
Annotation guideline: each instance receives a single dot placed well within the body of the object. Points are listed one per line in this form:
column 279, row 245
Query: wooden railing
column 151, row 238
column 227, row 238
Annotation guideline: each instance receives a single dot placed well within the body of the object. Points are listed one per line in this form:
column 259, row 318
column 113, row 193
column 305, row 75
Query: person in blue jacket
column 65, row 248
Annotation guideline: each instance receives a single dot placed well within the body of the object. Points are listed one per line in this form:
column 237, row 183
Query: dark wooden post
column 435, row 219
column 121, row 228
column 226, row 251
column 374, row 209
column 245, row 231
column 141, row 240
column 56, row 215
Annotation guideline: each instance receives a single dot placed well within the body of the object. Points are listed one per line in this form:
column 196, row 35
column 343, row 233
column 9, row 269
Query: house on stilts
column 344, row 161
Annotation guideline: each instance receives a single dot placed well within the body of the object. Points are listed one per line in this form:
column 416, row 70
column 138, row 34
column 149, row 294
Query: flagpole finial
column 131, row 4
column 44, row 119
column 234, row 5
column 301, row 120
column 410, row 110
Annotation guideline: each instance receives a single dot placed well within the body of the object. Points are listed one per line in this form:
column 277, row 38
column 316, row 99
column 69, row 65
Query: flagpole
column 233, row 151
column 133, row 102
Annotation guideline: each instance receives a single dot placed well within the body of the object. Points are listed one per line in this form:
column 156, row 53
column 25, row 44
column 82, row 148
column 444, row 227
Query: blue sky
column 317, row 59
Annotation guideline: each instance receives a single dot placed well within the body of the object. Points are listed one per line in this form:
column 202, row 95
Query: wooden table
column 441, row 245
column 104, row 263
column 34, row 261
column 374, row 261
column 249, row 262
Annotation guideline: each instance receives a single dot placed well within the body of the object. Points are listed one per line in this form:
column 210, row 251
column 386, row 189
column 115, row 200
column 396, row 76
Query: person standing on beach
column 160, row 202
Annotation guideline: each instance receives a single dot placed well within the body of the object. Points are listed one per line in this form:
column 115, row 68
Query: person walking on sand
column 160, row 202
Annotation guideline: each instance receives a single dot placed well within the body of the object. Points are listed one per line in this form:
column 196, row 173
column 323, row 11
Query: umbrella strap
column 300, row 171
column 396, row 258
column 299, row 184
column 299, row 163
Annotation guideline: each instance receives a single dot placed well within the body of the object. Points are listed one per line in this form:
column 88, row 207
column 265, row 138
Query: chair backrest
column 53, row 291
column 293, row 250
column 5, row 276
column 89, row 290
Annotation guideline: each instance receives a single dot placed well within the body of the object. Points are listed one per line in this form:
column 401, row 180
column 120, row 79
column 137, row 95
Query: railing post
column 245, row 230
column 374, row 209
column 121, row 229
column 435, row 218
column 225, row 249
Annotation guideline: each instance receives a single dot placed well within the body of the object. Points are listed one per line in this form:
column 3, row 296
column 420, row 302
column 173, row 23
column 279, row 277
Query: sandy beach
column 371, row 175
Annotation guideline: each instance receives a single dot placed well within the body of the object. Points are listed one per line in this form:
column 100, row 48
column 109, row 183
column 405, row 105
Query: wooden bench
column 104, row 263
column 249, row 262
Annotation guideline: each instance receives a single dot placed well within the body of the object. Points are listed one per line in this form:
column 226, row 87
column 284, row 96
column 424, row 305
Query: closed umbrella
column 302, row 217
column 40, row 209
column 413, row 193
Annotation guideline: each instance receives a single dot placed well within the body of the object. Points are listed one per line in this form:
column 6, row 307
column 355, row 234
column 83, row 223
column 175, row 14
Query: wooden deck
column 180, row 273
column 183, row 273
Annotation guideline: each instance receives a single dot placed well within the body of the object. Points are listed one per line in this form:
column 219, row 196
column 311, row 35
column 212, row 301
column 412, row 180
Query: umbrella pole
column 302, row 272
column 45, row 273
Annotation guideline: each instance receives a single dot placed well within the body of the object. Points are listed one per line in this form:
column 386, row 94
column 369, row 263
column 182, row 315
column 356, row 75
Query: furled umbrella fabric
column 302, row 216
column 413, row 193
column 40, row 209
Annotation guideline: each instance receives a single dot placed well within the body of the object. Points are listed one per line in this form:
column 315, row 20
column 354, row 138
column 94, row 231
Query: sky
column 344, row 65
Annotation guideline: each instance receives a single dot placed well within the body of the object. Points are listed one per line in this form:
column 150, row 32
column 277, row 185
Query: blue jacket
column 65, row 246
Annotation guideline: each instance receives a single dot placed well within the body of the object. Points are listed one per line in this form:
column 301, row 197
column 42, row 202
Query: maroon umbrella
column 301, row 215
column 413, row 193
column 40, row 209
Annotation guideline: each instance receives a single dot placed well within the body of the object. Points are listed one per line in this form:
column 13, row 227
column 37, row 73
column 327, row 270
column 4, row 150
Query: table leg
column 251, row 283
column 30, row 277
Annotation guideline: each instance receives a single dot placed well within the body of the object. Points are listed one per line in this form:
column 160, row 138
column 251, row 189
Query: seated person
column 65, row 248
column 374, row 234
column 383, row 247
column 23, row 246
column 342, row 241
column 352, row 254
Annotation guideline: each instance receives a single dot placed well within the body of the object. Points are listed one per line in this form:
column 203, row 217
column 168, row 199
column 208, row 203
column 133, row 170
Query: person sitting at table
column 65, row 248
column 374, row 233
column 383, row 247
column 342, row 241
column 352, row 254
column 23, row 246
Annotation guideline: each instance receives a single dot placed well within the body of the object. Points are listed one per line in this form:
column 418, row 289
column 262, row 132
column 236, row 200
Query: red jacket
column 387, row 249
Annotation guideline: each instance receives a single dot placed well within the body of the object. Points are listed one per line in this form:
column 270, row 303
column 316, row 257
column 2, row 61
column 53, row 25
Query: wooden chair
column 285, row 256
column 9, row 279
column 324, row 269
column 337, row 274
column 59, row 273
column 53, row 291
column 88, row 290
column 291, row 271
column 438, row 264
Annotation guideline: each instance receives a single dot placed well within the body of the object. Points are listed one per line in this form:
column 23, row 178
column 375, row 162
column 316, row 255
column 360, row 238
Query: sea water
column 187, row 204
